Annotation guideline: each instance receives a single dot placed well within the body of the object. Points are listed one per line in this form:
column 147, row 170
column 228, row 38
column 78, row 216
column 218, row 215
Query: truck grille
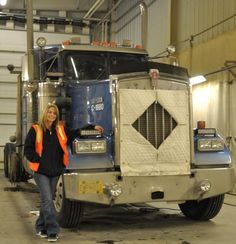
column 155, row 124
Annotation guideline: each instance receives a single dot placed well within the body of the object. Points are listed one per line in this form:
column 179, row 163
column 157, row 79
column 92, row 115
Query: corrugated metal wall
column 128, row 24
column 201, row 20
column 205, row 33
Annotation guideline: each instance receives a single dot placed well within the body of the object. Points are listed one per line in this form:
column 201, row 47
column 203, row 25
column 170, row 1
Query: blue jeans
column 47, row 216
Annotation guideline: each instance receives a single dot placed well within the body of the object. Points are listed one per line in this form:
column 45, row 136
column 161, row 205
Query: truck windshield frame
column 94, row 65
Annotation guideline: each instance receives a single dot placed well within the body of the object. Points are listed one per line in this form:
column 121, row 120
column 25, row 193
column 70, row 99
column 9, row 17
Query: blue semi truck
column 149, row 151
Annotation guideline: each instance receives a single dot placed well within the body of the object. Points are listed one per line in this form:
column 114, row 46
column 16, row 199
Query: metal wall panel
column 7, row 119
column 201, row 20
column 7, row 90
column 128, row 24
column 159, row 26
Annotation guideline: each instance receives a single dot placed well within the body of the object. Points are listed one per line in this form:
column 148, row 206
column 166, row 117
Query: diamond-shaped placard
column 155, row 124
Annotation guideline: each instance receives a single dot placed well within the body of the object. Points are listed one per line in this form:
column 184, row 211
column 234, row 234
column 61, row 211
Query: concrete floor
column 119, row 225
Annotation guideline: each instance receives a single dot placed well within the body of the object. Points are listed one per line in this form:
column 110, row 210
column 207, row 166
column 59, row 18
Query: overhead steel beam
column 93, row 9
column 109, row 12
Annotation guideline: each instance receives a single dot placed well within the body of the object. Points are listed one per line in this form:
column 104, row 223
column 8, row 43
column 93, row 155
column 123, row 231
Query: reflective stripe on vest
column 63, row 142
column 39, row 144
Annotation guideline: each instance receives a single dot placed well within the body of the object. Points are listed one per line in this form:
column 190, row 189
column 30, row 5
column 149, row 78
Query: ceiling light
column 3, row 2
column 197, row 79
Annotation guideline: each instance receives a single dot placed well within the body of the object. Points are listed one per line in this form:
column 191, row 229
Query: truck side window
column 126, row 62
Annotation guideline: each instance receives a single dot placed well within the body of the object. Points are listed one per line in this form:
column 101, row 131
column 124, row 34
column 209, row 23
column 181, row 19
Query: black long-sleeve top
column 51, row 161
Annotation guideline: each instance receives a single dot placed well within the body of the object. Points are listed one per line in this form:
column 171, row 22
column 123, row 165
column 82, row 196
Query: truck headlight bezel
column 210, row 144
column 89, row 146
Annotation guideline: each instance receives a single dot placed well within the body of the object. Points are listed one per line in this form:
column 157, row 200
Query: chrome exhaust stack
column 144, row 24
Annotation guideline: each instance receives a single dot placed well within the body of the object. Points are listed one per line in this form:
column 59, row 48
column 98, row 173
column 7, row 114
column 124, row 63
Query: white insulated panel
column 138, row 157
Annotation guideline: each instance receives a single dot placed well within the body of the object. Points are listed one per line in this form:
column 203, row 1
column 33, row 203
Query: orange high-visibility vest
column 39, row 144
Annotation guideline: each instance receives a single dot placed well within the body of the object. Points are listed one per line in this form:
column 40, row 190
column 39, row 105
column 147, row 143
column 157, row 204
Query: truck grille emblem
column 155, row 124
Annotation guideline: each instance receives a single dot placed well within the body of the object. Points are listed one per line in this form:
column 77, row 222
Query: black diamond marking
column 155, row 124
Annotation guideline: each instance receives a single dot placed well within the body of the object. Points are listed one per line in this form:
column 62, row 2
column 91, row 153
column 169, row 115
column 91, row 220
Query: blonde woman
column 45, row 148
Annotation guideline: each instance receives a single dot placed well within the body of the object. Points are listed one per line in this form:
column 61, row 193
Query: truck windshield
column 84, row 66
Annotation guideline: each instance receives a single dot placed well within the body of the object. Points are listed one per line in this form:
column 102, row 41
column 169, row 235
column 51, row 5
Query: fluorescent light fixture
column 3, row 2
column 197, row 79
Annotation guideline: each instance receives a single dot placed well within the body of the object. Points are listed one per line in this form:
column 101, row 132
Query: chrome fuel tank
column 47, row 93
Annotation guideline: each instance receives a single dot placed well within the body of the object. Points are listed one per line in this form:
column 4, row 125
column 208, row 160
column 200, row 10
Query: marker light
column 41, row 42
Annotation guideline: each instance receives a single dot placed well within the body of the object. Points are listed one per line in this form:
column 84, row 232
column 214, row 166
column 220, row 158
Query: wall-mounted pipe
column 105, row 31
column 102, row 37
column 108, row 13
column 30, row 40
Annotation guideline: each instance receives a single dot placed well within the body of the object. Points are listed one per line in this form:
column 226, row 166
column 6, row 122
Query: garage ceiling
column 83, row 9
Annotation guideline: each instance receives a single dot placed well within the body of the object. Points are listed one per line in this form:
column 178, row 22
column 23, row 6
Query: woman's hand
column 99, row 128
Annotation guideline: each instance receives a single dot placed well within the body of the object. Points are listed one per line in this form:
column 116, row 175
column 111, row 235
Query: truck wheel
column 202, row 210
column 68, row 212
column 8, row 149
column 6, row 161
column 14, row 168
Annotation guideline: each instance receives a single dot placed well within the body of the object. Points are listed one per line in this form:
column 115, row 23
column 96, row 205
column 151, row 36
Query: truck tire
column 68, row 212
column 5, row 161
column 202, row 210
column 9, row 147
column 15, row 169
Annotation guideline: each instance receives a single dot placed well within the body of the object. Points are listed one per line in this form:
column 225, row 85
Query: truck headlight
column 83, row 147
column 98, row 146
column 89, row 146
column 211, row 144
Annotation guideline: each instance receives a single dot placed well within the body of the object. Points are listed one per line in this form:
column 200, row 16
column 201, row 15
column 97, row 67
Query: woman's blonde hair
column 43, row 120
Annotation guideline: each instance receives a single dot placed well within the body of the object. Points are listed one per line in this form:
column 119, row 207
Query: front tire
column 69, row 212
column 202, row 210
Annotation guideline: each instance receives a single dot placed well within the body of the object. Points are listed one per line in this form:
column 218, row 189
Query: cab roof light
column 126, row 43
column 95, row 43
column 138, row 46
column 104, row 44
column 66, row 43
column 72, row 41
column 112, row 44
column 75, row 40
